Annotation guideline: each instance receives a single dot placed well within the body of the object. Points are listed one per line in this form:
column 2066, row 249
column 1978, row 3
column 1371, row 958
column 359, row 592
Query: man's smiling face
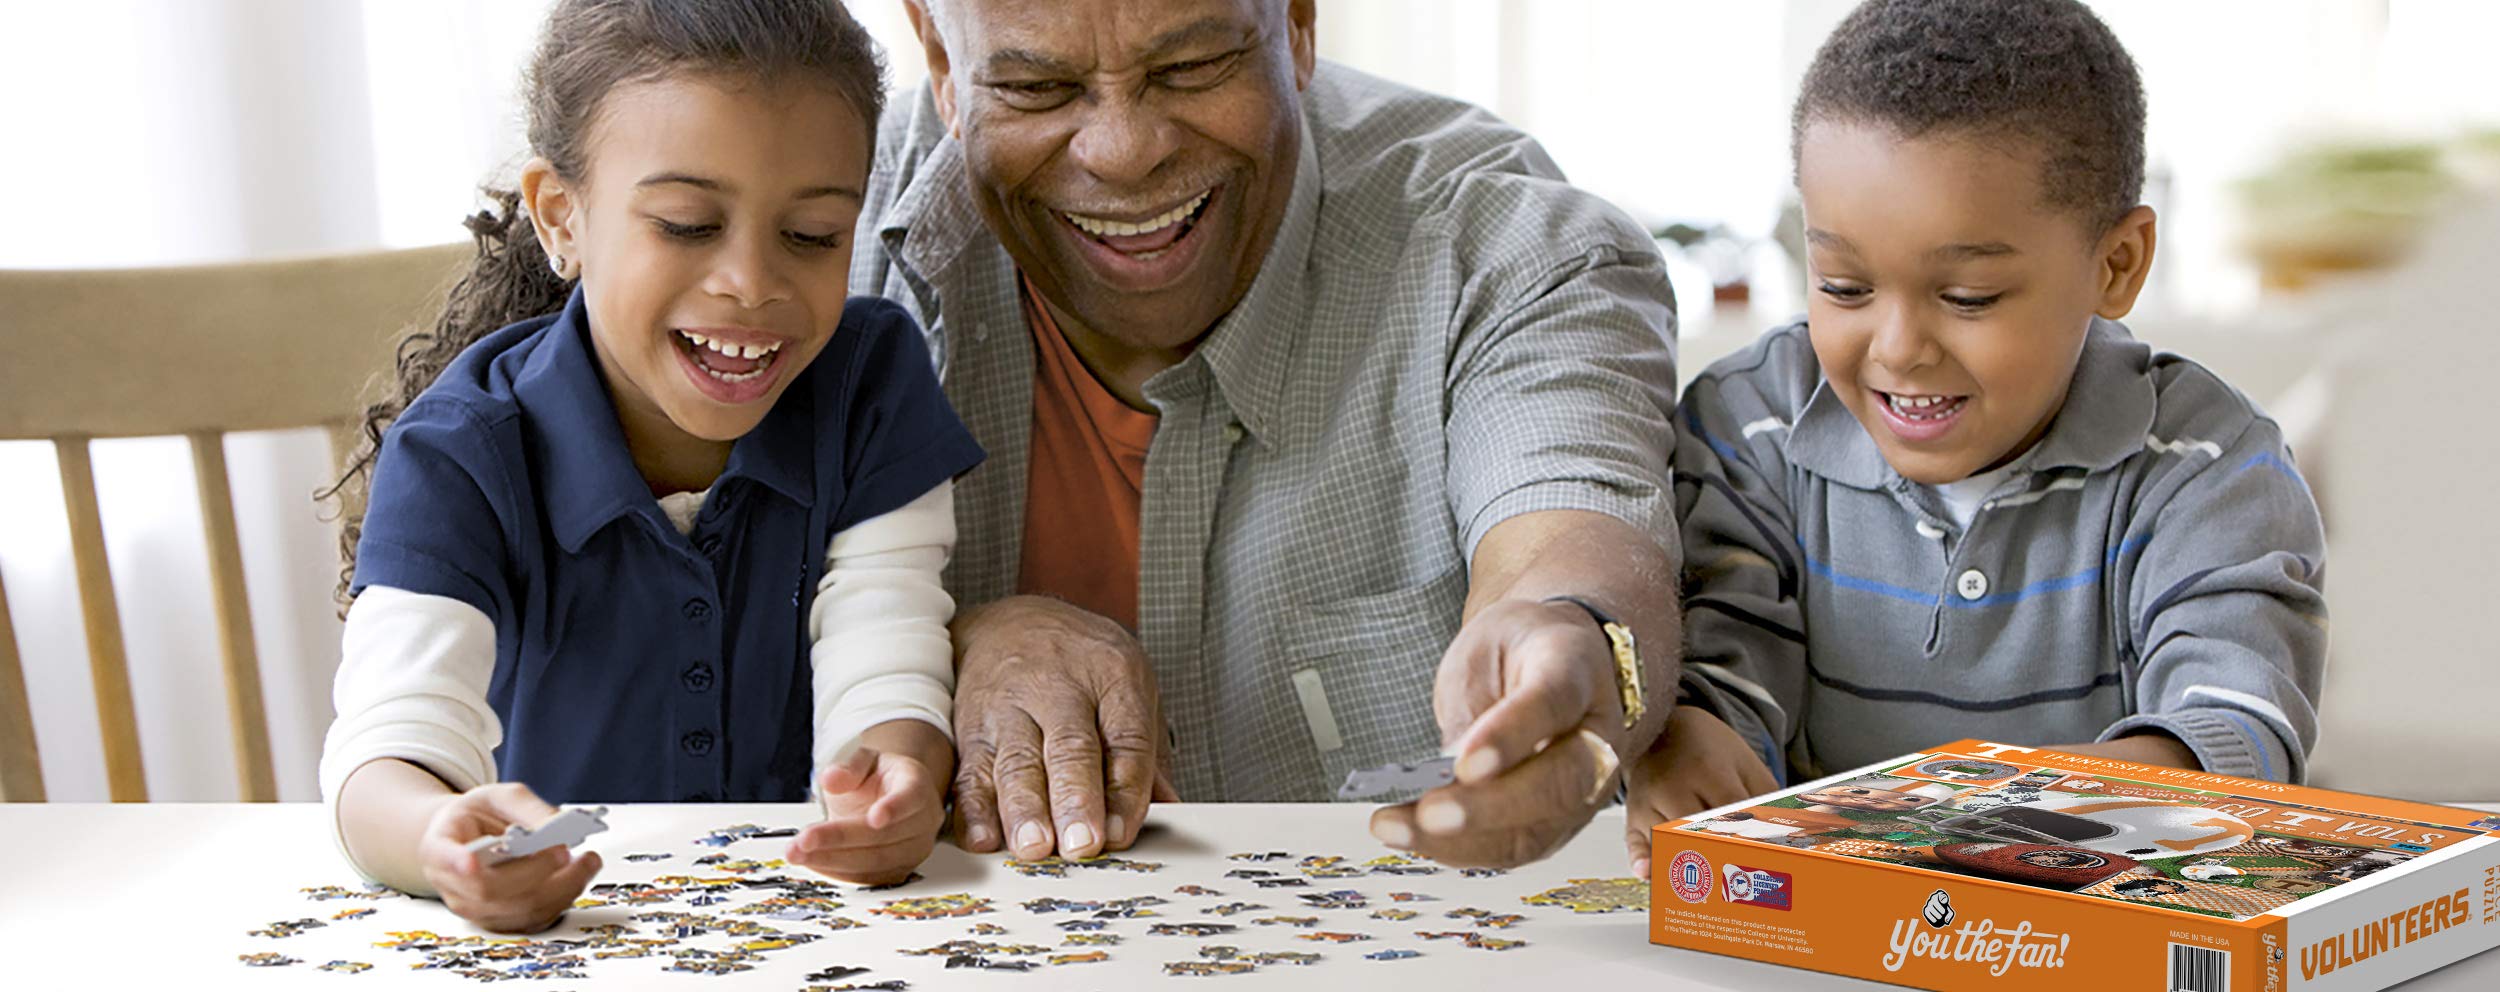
column 1133, row 156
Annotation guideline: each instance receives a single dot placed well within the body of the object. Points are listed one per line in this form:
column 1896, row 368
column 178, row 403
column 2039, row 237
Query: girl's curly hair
column 587, row 49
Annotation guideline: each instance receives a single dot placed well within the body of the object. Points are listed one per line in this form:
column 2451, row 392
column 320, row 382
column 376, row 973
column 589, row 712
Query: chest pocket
column 1361, row 671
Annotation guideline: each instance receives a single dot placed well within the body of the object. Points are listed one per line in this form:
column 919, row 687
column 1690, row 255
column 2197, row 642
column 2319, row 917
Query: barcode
column 2199, row 969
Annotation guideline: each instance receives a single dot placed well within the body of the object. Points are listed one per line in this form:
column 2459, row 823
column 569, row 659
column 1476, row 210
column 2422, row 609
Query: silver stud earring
column 555, row 263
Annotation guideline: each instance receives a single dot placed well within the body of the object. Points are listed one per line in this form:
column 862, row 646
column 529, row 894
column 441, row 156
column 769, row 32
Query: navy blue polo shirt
column 633, row 663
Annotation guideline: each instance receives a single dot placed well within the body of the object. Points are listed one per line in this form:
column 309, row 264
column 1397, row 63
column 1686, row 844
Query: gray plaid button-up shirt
column 1444, row 335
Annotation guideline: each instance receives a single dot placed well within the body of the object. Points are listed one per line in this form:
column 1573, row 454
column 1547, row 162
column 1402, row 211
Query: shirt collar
column 587, row 476
column 1251, row 348
column 2108, row 411
column 933, row 220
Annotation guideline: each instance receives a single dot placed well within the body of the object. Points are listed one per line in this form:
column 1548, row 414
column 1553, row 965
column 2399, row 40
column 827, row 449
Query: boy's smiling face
column 1948, row 298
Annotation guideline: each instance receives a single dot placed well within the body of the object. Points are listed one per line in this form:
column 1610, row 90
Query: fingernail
column 1640, row 867
column 1119, row 829
column 1440, row 816
column 1607, row 764
column 1076, row 837
column 977, row 837
column 1029, row 836
column 1479, row 764
column 1394, row 833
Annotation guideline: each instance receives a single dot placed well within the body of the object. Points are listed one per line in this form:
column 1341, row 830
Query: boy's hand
column 1698, row 763
column 882, row 814
column 2150, row 747
column 524, row 895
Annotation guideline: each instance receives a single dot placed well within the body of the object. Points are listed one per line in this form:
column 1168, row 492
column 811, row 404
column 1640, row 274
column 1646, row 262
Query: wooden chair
column 194, row 351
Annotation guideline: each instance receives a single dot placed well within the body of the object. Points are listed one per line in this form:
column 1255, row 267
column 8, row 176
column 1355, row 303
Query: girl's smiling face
column 711, row 231
column 1948, row 298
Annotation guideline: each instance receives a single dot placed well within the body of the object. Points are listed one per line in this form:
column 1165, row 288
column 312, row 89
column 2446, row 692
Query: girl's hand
column 524, row 895
column 1698, row 763
column 882, row 814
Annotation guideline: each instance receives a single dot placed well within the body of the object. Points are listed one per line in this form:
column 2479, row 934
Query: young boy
column 1960, row 500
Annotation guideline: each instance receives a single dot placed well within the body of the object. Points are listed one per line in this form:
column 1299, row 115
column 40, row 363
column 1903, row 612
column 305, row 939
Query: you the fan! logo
column 1982, row 941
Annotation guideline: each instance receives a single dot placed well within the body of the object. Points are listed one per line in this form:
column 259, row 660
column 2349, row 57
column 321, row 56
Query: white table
column 160, row 896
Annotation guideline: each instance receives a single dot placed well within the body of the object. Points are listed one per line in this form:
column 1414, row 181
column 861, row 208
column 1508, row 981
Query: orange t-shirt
column 1085, row 481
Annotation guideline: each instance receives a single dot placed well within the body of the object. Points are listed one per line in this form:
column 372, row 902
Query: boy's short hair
column 2045, row 71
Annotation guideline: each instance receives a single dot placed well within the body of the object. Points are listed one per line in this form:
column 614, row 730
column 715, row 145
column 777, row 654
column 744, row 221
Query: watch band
column 1627, row 655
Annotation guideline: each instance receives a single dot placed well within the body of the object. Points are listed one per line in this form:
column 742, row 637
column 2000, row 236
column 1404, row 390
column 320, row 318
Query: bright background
column 168, row 131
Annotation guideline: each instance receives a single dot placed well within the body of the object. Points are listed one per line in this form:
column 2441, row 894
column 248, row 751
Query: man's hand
column 1059, row 730
column 1526, row 698
column 884, row 801
column 524, row 895
column 1698, row 763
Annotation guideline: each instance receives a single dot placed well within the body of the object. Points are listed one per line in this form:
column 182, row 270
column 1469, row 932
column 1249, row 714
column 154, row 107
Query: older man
column 1327, row 428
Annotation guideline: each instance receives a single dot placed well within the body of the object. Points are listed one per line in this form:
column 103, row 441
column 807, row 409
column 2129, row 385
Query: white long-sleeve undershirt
column 414, row 670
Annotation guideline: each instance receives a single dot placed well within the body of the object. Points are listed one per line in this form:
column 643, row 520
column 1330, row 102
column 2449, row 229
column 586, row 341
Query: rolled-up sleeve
column 1565, row 400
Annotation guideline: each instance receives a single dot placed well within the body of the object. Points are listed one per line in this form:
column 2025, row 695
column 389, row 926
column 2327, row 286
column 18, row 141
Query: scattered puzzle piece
column 935, row 907
column 1201, row 969
column 288, row 928
column 1596, row 895
column 1190, row 929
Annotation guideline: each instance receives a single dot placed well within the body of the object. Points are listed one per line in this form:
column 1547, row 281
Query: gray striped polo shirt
column 2155, row 563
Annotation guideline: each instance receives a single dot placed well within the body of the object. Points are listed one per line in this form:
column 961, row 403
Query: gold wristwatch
column 1628, row 677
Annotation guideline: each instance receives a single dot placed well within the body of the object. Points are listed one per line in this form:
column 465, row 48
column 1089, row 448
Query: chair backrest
column 194, row 351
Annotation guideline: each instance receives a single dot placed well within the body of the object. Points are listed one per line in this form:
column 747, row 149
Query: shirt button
column 1971, row 585
column 697, row 743
column 698, row 677
column 1233, row 433
column 697, row 609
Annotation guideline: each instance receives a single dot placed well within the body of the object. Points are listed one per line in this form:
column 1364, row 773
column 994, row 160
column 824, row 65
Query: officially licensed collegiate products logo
column 1688, row 876
column 1756, row 887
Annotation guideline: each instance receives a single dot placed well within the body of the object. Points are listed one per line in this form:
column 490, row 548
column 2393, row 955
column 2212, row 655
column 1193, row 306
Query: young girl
column 674, row 533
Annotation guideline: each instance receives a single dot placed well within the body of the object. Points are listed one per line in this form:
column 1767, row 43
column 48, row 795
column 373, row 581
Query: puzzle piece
column 1596, row 895
column 288, row 928
column 571, row 826
column 1191, row 929
column 1285, row 957
column 935, row 907
column 1399, row 776
column 1202, row 969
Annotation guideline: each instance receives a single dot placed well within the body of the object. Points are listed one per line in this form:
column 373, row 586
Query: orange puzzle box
column 1987, row 866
